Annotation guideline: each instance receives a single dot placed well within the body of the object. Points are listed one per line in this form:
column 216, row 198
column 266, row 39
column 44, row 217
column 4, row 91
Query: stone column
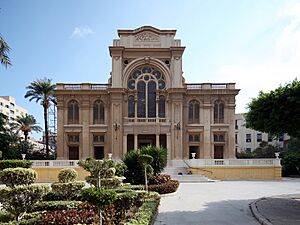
column 61, row 151
column 135, row 141
column 157, row 141
column 207, row 131
column 169, row 146
column 85, row 118
column 124, row 144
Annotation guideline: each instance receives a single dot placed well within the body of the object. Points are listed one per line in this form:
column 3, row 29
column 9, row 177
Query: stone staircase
column 180, row 174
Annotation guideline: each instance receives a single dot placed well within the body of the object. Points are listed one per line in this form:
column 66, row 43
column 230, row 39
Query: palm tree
column 4, row 50
column 42, row 90
column 26, row 124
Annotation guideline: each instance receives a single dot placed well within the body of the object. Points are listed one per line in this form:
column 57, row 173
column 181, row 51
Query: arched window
column 162, row 107
column 147, row 81
column 152, row 99
column 131, row 107
column 73, row 112
column 194, row 111
column 219, row 112
column 98, row 112
column 141, row 110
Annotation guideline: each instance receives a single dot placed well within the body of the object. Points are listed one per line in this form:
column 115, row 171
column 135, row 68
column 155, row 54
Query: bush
column 4, row 164
column 124, row 202
column 103, row 168
column 165, row 188
column 99, row 197
column 146, row 213
column 54, row 205
column 5, row 217
column 17, row 176
column 84, row 214
column 135, row 171
column 21, row 199
column 159, row 179
column 291, row 163
column 107, row 182
column 120, row 169
column 159, row 156
column 67, row 175
column 67, row 190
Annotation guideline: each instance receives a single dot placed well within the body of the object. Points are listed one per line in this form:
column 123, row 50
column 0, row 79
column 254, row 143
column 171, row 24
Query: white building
column 248, row 140
column 9, row 108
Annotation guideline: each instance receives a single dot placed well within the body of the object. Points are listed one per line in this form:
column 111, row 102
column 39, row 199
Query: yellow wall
column 51, row 174
column 218, row 173
column 240, row 172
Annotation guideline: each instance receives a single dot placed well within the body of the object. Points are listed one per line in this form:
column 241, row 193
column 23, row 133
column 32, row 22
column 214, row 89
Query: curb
column 169, row 194
column 261, row 219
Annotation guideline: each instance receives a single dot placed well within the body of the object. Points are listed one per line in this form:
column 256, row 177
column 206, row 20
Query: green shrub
column 54, row 205
column 146, row 213
column 99, row 197
column 4, row 164
column 159, row 156
column 5, row 217
column 165, row 188
column 107, row 182
column 120, row 169
column 135, row 171
column 67, row 190
column 21, row 199
column 67, row 175
column 291, row 163
column 17, row 176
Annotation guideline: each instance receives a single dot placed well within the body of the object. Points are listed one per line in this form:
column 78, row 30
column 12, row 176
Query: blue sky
column 254, row 43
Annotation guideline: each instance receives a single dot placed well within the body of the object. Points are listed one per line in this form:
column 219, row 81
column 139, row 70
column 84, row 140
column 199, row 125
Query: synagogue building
column 146, row 101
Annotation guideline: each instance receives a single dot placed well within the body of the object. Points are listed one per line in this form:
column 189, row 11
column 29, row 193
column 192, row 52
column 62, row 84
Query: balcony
column 83, row 86
column 195, row 86
column 145, row 120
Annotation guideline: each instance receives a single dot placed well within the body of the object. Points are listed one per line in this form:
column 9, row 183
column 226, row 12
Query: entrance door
column 73, row 152
column 218, row 152
column 98, row 152
column 145, row 140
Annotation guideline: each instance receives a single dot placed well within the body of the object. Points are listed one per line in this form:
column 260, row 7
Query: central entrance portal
column 146, row 139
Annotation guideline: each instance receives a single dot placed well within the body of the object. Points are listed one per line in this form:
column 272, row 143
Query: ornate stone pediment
column 147, row 37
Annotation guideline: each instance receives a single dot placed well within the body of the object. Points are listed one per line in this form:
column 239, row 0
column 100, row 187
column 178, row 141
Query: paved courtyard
column 219, row 203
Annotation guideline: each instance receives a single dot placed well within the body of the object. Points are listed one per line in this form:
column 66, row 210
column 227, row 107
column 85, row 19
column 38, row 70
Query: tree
column 277, row 111
column 42, row 90
column 4, row 50
column 26, row 124
column 265, row 150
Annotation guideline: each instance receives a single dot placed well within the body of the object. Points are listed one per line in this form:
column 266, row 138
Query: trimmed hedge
column 67, row 190
column 147, row 212
column 54, row 205
column 159, row 179
column 165, row 188
column 5, row 217
column 21, row 199
column 4, row 164
column 67, row 175
column 12, row 177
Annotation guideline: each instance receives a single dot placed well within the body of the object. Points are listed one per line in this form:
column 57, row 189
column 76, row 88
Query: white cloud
column 82, row 32
column 281, row 66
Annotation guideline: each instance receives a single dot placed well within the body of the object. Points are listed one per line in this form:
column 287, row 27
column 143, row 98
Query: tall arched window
column 73, row 112
column 131, row 107
column 162, row 107
column 147, row 81
column 98, row 112
column 194, row 111
column 219, row 112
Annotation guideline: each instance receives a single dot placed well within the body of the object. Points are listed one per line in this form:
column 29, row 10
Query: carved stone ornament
column 116, row 57
column 147, row 36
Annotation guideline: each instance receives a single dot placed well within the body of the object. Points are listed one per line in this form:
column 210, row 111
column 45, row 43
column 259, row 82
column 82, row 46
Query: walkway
column 225, row 202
